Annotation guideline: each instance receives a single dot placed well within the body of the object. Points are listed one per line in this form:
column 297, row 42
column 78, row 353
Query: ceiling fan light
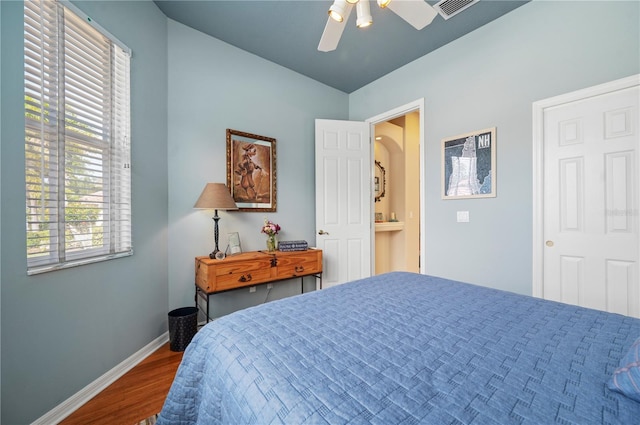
column 354, row 1
column 383, row 3
column 337, row 10
column 364, row 14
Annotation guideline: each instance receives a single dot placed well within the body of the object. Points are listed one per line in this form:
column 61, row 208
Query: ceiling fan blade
column 416, row 12
column 333, row 31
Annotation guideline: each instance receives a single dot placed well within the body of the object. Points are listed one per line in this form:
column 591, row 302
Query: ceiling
column 287, row 32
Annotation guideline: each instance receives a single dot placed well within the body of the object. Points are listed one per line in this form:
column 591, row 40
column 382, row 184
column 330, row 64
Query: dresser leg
column 208, row 309
column 202, row 294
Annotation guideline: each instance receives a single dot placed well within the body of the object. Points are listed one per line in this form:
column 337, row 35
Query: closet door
column 591, row 195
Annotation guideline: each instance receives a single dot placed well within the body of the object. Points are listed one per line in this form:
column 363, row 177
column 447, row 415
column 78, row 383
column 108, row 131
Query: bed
column 404, row 348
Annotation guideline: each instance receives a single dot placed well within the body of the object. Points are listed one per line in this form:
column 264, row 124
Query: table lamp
column 215, row 196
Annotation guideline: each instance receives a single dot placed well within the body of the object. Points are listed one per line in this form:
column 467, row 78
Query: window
column 77, row 139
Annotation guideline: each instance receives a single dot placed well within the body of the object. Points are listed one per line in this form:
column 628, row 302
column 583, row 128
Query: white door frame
column 538, row 165
column 416, row 105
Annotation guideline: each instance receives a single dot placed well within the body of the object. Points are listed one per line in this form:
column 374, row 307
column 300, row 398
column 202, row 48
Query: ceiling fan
column 418, row 13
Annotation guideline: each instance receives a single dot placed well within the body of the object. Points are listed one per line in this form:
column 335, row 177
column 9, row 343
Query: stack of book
column 293, row 245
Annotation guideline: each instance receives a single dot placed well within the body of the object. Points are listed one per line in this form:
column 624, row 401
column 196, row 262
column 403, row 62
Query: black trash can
column 183, row 325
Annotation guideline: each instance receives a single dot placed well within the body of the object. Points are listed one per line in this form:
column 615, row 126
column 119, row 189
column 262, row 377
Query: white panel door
column 343, row 200
column 591, row 195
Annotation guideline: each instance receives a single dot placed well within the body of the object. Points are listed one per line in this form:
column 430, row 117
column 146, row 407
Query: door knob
column 549, row 243
column 322, row 232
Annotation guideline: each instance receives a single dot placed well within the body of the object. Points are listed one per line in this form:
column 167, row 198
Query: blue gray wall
column 490, row 78
column 64, row 329
column 214, row 86
column 67, row 328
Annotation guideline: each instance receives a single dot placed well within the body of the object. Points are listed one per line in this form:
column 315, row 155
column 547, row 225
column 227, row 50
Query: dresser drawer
column 241, row 279
column 299, row 263
column 232, row 272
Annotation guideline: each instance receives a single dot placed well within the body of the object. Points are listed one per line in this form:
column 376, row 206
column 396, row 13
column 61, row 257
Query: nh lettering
column 484, row 141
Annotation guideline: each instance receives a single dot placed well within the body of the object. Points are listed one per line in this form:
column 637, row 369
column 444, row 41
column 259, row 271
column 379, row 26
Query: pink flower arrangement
column 270, row 228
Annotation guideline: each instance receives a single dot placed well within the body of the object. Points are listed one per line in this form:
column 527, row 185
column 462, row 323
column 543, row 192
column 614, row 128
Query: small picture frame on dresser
column 234, row 243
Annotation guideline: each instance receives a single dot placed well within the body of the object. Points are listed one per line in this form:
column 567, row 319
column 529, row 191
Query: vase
column 271, row 243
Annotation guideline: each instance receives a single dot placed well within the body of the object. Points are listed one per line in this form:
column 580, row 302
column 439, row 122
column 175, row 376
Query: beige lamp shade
column 215, row 196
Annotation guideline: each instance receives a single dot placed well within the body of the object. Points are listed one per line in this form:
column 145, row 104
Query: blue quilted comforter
column 404, row 348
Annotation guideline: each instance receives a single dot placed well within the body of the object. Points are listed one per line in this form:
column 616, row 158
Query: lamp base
column 216, row 218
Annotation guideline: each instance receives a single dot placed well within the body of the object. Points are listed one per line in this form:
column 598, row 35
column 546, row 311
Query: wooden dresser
column 251, row 269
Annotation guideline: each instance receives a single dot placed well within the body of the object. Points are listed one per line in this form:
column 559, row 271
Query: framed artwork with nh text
column 469, row 165
column 251, row 171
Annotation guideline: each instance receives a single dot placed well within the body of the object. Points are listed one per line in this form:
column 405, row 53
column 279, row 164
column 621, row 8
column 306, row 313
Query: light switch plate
column 463, row 216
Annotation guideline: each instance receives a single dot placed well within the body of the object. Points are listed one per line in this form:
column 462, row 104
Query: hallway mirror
column 379, row 181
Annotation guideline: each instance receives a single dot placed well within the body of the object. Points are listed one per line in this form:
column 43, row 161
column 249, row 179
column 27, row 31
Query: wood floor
column 138, row 394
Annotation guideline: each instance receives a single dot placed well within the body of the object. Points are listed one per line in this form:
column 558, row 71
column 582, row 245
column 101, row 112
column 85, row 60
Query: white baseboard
column 74, row 402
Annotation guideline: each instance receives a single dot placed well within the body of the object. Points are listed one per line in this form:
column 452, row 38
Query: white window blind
column 77, row 139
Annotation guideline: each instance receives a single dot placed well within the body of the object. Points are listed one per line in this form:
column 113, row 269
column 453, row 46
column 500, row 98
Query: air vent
column 449, row 8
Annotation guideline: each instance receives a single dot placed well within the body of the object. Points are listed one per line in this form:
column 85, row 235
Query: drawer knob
column 299, row 269
column 244, row 278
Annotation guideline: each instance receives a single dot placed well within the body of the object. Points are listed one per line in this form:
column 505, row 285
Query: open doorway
column 397, row 199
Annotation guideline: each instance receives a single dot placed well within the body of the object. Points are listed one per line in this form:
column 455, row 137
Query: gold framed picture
column 251, row 171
